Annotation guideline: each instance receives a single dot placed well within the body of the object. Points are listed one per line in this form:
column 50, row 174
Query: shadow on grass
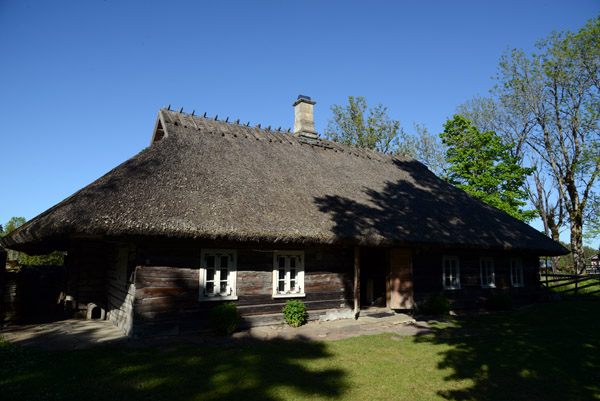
column 257, row 371
column 548, row 352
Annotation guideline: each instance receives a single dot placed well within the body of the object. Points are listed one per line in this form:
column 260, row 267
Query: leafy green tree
column 559, row 90
column 482, row 165
column 54, row 258
column 566, row 262
column 426, row 148
column 592, row 220
column 358, row 125
column 12, row 225
column 514, row 125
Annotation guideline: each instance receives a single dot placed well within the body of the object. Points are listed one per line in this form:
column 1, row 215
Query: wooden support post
column 356, row 281
column 546, row 268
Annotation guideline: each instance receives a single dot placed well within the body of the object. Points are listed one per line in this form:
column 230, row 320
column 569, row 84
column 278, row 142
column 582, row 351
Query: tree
column 488, row 114
column 362, row 127
column 371, row 128
column 54, row 258
column 592, row 219
column 559, row 89
column 481, row 164
column 514, row 125
column 426, row 148
column 13, row 224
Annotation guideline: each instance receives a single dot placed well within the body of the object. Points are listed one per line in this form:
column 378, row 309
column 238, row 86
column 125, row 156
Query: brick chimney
column 304, row 124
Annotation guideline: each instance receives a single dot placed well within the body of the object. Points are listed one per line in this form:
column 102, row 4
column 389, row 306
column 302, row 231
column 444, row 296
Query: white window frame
column 230, row 294
column 516, row 272
column 450, row 275
column 486, row 271
column 287, row 292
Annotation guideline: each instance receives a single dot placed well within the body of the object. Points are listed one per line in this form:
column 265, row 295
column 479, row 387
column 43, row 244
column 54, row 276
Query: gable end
column 159, row 130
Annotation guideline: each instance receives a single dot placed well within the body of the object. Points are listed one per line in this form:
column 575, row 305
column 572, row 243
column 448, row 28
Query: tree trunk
column 577, row 243
column 555, row 237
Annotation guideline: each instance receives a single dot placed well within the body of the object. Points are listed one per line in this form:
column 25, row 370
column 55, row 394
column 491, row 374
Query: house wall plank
column 167, row 296
column 427, row 273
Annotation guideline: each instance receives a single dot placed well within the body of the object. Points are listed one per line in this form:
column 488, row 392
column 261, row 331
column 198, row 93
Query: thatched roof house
column 204, row 183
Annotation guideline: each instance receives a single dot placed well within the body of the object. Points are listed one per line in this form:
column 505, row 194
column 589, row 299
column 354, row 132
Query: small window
column 488, row 279
column 451, row 273
column 218, row 275
column 516, row 272
column 288, row 274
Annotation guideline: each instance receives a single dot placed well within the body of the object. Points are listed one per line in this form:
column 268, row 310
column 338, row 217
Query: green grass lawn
column 545, row 352
column 580, row 291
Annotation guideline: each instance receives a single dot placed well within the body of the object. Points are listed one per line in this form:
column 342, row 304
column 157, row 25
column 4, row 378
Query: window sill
column 298, row 295
column 452, row 288
column 488, row 286
column 218, row 298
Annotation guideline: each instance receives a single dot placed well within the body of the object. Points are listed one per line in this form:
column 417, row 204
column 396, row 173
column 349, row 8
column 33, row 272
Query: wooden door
column 400, row 285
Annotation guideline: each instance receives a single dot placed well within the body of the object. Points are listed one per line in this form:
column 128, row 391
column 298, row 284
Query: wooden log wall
column 167, row 301
column 427, row 274
column 30, row 294
column 120, row 288
column 9, row 307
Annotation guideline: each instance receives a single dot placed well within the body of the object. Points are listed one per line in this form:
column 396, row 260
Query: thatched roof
column 208, row 179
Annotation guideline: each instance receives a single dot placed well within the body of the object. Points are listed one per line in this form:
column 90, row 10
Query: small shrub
column 436, row 305
column 295, row 313
column 224, row 318
column 502, row 301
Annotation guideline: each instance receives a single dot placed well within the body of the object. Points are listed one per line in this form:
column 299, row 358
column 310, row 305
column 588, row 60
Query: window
column 488, row 279
column 218, row 275
column 516, row 272
column 451, row 273
column 288, row 274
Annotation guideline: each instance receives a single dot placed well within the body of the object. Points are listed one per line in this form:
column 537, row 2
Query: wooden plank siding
column 120, row 290
column 167, row 297
column 427, row 275
column 150, row 289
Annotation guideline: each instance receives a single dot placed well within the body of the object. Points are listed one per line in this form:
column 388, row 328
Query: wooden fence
column 577, row 285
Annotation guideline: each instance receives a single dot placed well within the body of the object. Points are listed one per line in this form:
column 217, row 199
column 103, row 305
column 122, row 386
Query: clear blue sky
column 81, row 82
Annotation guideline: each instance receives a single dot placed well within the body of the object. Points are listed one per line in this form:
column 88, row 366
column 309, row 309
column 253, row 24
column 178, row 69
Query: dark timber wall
column 166, row 297
column 120, row 289
column 153, row 288
column 427, row 275
column 87, row 268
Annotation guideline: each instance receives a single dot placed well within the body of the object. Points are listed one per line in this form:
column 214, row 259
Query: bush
column 502, row 301
column 224, row 318
column 295, row 313
column 436, row 305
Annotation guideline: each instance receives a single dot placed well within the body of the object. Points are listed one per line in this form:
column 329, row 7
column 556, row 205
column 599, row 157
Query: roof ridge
column 226, row 121
column 278, row 135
